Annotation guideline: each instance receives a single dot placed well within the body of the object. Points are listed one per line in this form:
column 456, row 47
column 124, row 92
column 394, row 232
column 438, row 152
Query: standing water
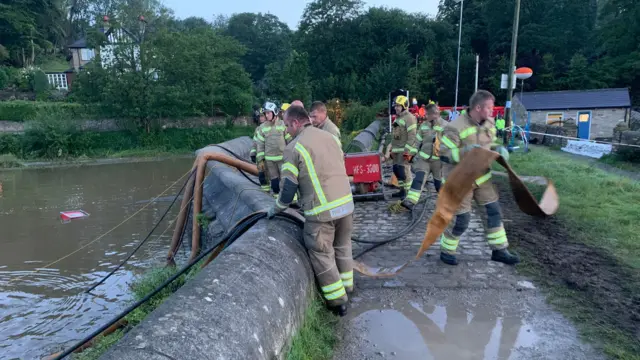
column 43, row 309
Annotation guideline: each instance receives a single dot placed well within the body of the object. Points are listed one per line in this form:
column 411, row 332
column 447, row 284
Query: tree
column 289, row 79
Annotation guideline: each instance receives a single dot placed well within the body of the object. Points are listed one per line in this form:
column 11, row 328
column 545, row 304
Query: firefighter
column 283, row 108
column 320, row 119
column 403, row 145
column 314, row 166
column 474, row 129
column 272, row 137
column 254, row 145
column 427, row 161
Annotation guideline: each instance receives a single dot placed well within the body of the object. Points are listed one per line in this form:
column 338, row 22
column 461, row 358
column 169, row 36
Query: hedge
column 21, row 110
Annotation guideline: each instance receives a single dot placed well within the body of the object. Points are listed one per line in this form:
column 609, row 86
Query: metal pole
column 477, row 70
column 512, row 63
column 455, row 105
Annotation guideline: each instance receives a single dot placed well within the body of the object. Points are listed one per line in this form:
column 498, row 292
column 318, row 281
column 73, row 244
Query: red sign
column 364, row 167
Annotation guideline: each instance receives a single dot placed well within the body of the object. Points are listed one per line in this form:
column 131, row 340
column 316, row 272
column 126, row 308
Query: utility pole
column 455, row 105
column 512, row 64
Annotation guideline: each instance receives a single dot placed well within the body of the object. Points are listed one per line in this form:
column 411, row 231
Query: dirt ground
column 605, row 288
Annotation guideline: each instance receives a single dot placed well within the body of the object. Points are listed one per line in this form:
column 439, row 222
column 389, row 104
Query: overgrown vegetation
column 21, row 111
column 62, row 140
column 317, row 337
column 140, row 288
column 601, row 207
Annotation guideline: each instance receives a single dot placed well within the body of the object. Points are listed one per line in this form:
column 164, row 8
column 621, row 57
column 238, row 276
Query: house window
column 555, row 119
column 584, row 117
column 58, row 80
column 86, row 54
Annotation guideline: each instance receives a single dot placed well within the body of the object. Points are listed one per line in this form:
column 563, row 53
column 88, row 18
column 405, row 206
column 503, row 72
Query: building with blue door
column 595, row 113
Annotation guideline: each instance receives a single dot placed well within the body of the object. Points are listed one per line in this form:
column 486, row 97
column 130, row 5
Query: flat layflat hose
column 459, row 183
column 241, row 227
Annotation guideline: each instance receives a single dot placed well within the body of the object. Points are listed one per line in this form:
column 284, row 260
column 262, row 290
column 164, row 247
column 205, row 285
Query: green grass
column 140, row 287
column 54, row 65
column 614, row 161
column 601, row 207
column 317, row 337
column 9, row 161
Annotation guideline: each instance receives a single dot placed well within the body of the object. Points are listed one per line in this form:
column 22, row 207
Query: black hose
column 144, row 240
column 239, row 229
column 239, row 158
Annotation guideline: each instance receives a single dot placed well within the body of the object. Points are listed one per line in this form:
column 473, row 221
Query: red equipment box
column 364, row 167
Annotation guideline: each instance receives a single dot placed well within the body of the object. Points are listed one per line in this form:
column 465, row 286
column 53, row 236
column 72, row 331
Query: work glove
column 253, row 159
column 503, row 152
column 272, row 212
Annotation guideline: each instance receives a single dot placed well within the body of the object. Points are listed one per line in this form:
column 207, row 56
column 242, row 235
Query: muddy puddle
column 418, row 330
column 44, row 309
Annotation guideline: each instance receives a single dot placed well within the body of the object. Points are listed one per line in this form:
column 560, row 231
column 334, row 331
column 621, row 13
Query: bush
column 628, row 154
column 4, row 78
column 20, row 110
column 358, row 116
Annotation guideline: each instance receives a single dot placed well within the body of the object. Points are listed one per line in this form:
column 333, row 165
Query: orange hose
column 182, row 217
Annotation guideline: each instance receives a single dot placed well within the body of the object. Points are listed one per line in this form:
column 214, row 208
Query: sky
column 289, row 11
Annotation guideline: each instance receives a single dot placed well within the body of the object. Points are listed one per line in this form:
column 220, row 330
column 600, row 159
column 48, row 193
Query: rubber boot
column 400, row 194
column 407, row 204
column 448, row 259
column 437, row 184
column 340, row 310
column 504, row 256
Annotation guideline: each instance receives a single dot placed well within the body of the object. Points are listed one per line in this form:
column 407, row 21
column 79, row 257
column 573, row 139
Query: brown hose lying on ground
column 111, row 329
column 459, row 183
column 201, row 165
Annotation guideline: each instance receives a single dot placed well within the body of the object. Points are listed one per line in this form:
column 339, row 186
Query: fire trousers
column 486, row 196
column 329, row 247
column 402, row 171
column 263, row 175
column 273, row 169
column 423, row 168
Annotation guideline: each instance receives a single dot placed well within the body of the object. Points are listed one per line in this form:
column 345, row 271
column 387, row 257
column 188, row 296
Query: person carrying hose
column 314, row 166
column 272, row 138
column 428, row 160
column 474, row 129
column 403, row 145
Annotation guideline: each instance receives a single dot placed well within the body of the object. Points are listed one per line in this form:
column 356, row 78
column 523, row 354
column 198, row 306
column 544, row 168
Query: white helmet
column 269, row 106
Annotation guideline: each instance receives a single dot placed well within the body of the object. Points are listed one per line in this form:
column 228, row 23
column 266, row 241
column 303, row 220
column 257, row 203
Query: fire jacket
column 428, row 136
column 272, row 138
column 254, row 145
column 330, row 127
column 460, row 136
column 404, row 134
column 314, row 166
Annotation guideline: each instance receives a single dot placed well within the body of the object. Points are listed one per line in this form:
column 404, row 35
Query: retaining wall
column 569, row 131
column 249, row 302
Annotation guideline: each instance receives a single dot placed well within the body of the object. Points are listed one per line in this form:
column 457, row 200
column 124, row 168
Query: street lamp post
column 455, row 105
column 512, row 65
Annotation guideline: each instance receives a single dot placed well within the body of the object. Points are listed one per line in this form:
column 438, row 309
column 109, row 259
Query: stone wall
column 634, row 121
column 569, row 131
column 622, row 135
column 603, row 121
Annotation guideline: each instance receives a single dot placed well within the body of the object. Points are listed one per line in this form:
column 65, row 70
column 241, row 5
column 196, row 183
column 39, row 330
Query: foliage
column 19, row 110
column 55, row 139
column 358, row 116
column 317, row 337
column 289, row 79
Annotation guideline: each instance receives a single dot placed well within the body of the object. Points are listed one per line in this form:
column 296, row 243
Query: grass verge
column 601, row 207
column 317, row 337
column 586, row 257
column 615, row 161
column 140, row 288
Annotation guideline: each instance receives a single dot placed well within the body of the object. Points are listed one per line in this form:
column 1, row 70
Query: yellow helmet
column 285, row 106
column 402, row 101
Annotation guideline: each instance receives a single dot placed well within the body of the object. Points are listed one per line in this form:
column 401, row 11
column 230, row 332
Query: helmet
column 414, row 101
column 285, row 106
column 269, row 106
column 402, row 101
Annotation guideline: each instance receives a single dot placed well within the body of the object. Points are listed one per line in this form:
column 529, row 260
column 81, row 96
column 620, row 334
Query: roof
column 82, row 42
column 576, row 99
column 79, row 44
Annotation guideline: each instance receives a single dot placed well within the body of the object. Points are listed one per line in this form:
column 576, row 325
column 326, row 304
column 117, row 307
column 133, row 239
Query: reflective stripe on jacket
column 404, row 134
column 314, row 161
column 428, row 133
column 271, row 140
column 459, row 135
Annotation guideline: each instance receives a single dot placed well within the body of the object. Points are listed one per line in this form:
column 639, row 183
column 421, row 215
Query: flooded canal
column 43, row 309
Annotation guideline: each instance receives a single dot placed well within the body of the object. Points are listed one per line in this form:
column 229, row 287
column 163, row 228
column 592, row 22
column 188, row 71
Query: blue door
column 584, row 124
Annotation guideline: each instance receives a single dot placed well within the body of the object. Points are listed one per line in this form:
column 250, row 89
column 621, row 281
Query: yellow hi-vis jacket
column 314, row 161
column 254, row 145
column 459, row 136
column 272, row 138
column 429, row 139
column 404, row 134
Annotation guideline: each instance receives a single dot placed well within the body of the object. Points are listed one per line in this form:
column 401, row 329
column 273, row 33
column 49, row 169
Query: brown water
column 42, row 310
